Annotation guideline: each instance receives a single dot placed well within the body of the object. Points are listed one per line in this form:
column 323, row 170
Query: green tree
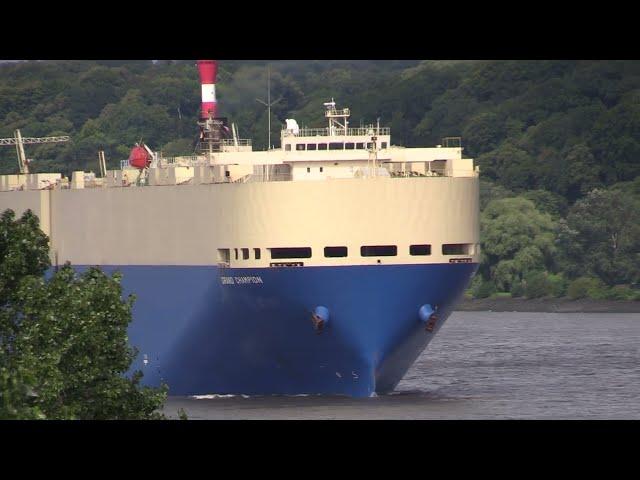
column 583, row 172
column 516, row 239
column 548, row 202
column 179, row 147
column 490, row 190
column 601, row 237
column 64, row 351
column 511, row 166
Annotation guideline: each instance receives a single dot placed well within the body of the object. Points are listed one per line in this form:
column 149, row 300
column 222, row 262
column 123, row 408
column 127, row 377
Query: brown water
column 485, row 365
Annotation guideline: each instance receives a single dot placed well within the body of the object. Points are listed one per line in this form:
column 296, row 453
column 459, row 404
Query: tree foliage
column 601, row 237
column 516, row 239
column 64, row 351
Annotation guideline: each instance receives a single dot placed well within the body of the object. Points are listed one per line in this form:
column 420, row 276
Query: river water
column 485, row 365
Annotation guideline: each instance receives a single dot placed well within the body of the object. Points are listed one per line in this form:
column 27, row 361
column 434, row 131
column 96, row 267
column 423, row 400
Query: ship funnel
column 208, row 72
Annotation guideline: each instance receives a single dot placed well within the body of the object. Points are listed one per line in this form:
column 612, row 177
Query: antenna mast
column 338, row 119
column 268, row 103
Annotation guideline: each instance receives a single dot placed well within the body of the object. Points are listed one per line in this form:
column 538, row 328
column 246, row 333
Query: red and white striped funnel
column 208, row 71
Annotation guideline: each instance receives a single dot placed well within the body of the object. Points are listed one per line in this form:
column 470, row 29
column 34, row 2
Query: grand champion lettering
column 241, row 280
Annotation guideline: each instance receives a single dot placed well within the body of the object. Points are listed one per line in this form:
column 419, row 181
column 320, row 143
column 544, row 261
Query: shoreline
column 546, row 305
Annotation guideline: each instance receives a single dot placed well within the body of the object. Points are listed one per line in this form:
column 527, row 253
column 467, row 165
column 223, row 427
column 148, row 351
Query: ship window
column 322, row 146
column 420, row 250
column 336, row 146
column 321, row 169
column 292, row 252
column 300, row 146
column 245, row 254
column 456, row 249
column 359, row 146
column 287, row 148
column 236, row 250
column 308, row 169
column 224, row 255
column 384, row 145
column 311, row 146
column 369, row 146
column 333, row 252
column 379, row 251
column 256, row 251
column 349, row 146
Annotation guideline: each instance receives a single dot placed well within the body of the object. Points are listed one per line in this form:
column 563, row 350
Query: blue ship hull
column 255, row 336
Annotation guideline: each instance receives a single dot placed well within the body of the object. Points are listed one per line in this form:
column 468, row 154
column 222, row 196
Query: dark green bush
column 558, row 283
column 537, row 285
column 585, row 287
column 621, row 292
column 484, row 290
column 517, row 290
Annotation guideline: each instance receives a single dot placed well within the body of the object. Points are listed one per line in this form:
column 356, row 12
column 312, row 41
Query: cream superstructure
column 323, row 189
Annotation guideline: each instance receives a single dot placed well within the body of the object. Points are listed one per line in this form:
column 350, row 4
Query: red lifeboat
column 139, row 158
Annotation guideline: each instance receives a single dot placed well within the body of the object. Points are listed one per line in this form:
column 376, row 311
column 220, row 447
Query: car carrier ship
column 324, row 266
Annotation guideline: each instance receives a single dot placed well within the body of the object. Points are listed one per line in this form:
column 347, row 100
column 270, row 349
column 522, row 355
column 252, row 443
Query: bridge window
column 322, row 146
column 300, row 146
column 336, row 146
column 256, row 252
column 457, row 249
column 379, row 251
column 334, row 252
column 291, row 252
column 245, row 254
column 311, row 146
column 420, row 250
column 349, row 146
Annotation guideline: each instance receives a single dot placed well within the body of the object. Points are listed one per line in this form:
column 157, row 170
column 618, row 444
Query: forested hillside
column 558, row 142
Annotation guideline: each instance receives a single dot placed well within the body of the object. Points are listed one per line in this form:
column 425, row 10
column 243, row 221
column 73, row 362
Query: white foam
column 215, row 395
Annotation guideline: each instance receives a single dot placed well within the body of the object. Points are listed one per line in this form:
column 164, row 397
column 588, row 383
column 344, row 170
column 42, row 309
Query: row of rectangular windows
column 365, row 251
column 310, row 147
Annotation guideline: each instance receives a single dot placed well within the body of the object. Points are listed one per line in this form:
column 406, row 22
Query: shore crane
column 19, row 141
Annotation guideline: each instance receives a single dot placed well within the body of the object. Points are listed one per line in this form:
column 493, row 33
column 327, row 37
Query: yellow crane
column 19, row 141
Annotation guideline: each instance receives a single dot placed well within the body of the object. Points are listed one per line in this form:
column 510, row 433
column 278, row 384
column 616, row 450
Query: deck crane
column 19, row 141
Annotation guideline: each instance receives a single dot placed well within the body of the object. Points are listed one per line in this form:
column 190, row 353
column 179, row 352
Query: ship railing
column 412, row 173
column 241, row 142
column 269, row 173
column 452, row 142
column 350, row 132
column 273, row 177
column 189, row 160
column 436, row 168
